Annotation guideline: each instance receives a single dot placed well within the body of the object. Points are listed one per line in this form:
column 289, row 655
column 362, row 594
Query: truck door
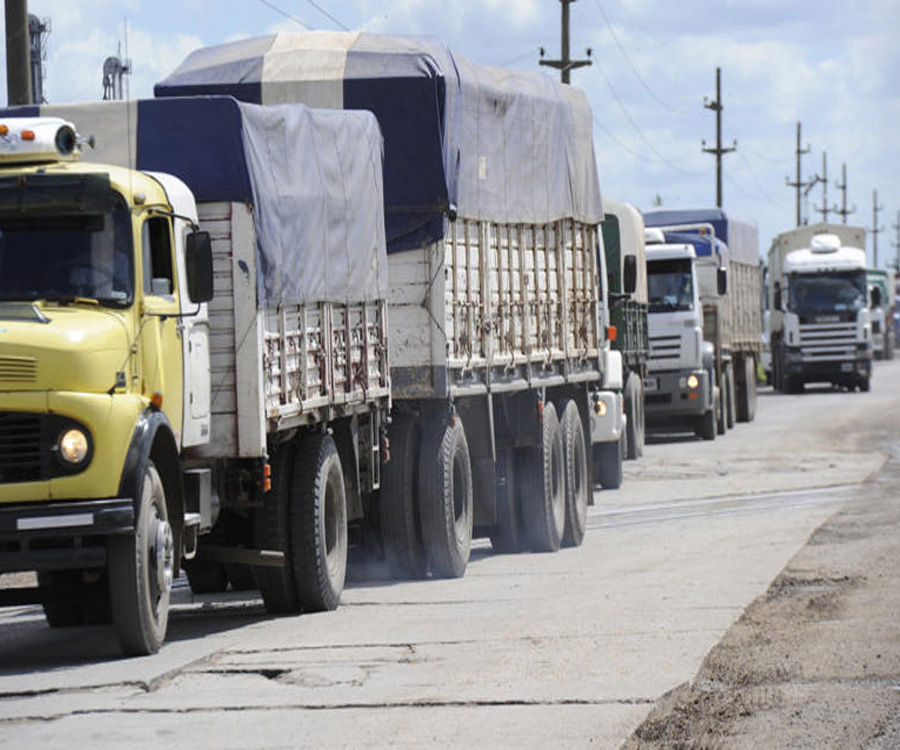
column 161, row 347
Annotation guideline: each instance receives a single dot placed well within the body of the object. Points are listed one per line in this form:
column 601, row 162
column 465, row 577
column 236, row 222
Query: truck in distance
column 820, row 322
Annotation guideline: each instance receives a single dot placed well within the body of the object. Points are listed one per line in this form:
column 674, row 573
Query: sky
column 817, row 62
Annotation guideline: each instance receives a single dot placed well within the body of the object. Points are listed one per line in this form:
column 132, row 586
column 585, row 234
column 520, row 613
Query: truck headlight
column 693, row 382
column 73, row 446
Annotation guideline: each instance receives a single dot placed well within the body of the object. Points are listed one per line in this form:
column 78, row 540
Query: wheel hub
column 164, row 556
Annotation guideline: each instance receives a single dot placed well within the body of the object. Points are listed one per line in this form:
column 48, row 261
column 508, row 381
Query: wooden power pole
column 18, row 53
column 717, row 107
column 565, row 64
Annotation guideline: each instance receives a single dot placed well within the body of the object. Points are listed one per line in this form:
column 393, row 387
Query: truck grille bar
column 20, row 447
column 828, row 341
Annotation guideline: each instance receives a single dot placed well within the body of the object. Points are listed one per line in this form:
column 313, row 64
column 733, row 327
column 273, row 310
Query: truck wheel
column 543, row 486
column 205, row 576
column 140, row 568
column 401, row 531
column 746, row 405
column 507, row 536
column 706, row 425
column 721, row 409
column 271, row 531
column 634, row 413
column 577, row 480
column 864, row 385
column 318, row 524
column 608, row 464
column 730, row 398
column 445, row 498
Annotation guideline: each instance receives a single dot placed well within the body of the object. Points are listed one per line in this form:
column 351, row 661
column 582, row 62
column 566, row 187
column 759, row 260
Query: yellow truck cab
column 101, row 327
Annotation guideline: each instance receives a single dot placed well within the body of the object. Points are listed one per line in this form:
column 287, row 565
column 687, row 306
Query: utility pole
column 799, row 184
column 824, row 180
column 717, row 107
column 18, row 48
column 876, row 230
column 842, row 186
column 897, row 243
column 565, row 64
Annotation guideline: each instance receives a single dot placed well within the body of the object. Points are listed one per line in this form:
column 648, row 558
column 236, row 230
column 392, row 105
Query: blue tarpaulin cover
column 741, row 236
column 486, row 143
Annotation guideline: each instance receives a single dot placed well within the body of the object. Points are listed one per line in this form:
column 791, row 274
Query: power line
column 287, row 15
column 527, row 56
column 631, row 65
column 638, row 130
column 326, row 14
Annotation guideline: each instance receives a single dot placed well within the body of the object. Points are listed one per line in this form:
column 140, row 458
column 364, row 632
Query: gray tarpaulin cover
column 314, row 179
column 494, row 144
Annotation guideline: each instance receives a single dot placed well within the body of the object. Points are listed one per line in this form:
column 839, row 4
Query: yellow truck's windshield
column 61, row 257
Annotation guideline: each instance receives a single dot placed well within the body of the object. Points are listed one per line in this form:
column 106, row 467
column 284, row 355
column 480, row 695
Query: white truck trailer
column 150, row 419
column 502, row 374
column 728, row 273
column 819, row 318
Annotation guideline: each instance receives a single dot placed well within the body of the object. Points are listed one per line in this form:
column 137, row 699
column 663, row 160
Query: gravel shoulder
column 815, row 661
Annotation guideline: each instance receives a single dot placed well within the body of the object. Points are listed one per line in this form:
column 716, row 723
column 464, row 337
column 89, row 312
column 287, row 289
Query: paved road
column 529, row 651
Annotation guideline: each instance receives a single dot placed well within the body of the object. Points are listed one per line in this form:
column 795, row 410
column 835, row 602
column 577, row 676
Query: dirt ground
column 815, row 661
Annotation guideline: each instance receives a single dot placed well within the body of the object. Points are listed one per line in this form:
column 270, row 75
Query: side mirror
column 722, row 280
column 629, row 274
column 776, row 302
column 198, row 261
column 876, row 296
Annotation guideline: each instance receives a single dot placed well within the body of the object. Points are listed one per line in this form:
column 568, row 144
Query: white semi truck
column 681, row 386
column 881, row 303
column 819, row 319
column 724, row 325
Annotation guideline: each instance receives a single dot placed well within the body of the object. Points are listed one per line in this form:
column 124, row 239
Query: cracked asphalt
column 589, row 647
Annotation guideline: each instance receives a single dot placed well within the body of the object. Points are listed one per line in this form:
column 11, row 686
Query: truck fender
column 612, row 371
column 153, row 439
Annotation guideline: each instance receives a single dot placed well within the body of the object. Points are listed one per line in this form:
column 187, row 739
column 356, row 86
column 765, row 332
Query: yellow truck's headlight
column 73, row 446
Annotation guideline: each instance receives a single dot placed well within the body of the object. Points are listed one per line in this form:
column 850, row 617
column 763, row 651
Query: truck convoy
column 703, row 277
column 881, row 285
column 626, row 266
column 321, row 392
column 819, row 317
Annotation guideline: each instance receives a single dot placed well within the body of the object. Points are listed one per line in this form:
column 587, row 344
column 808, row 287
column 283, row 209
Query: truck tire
column 140, row 569
column 206, row 576
column 401, row 531
column 634, row 413
column 508, row 536
column 722, row 409
column 578, row 485
column 271, row 531
column 446, row 504
column 543, row 486
column 746, row 405
column 706, row 425
column 608, row 464
column 730, row 398
column 864, row 385
column 318, row 524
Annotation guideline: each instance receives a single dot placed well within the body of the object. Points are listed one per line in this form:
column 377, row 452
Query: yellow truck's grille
column 18, row 369
column 20, row 447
